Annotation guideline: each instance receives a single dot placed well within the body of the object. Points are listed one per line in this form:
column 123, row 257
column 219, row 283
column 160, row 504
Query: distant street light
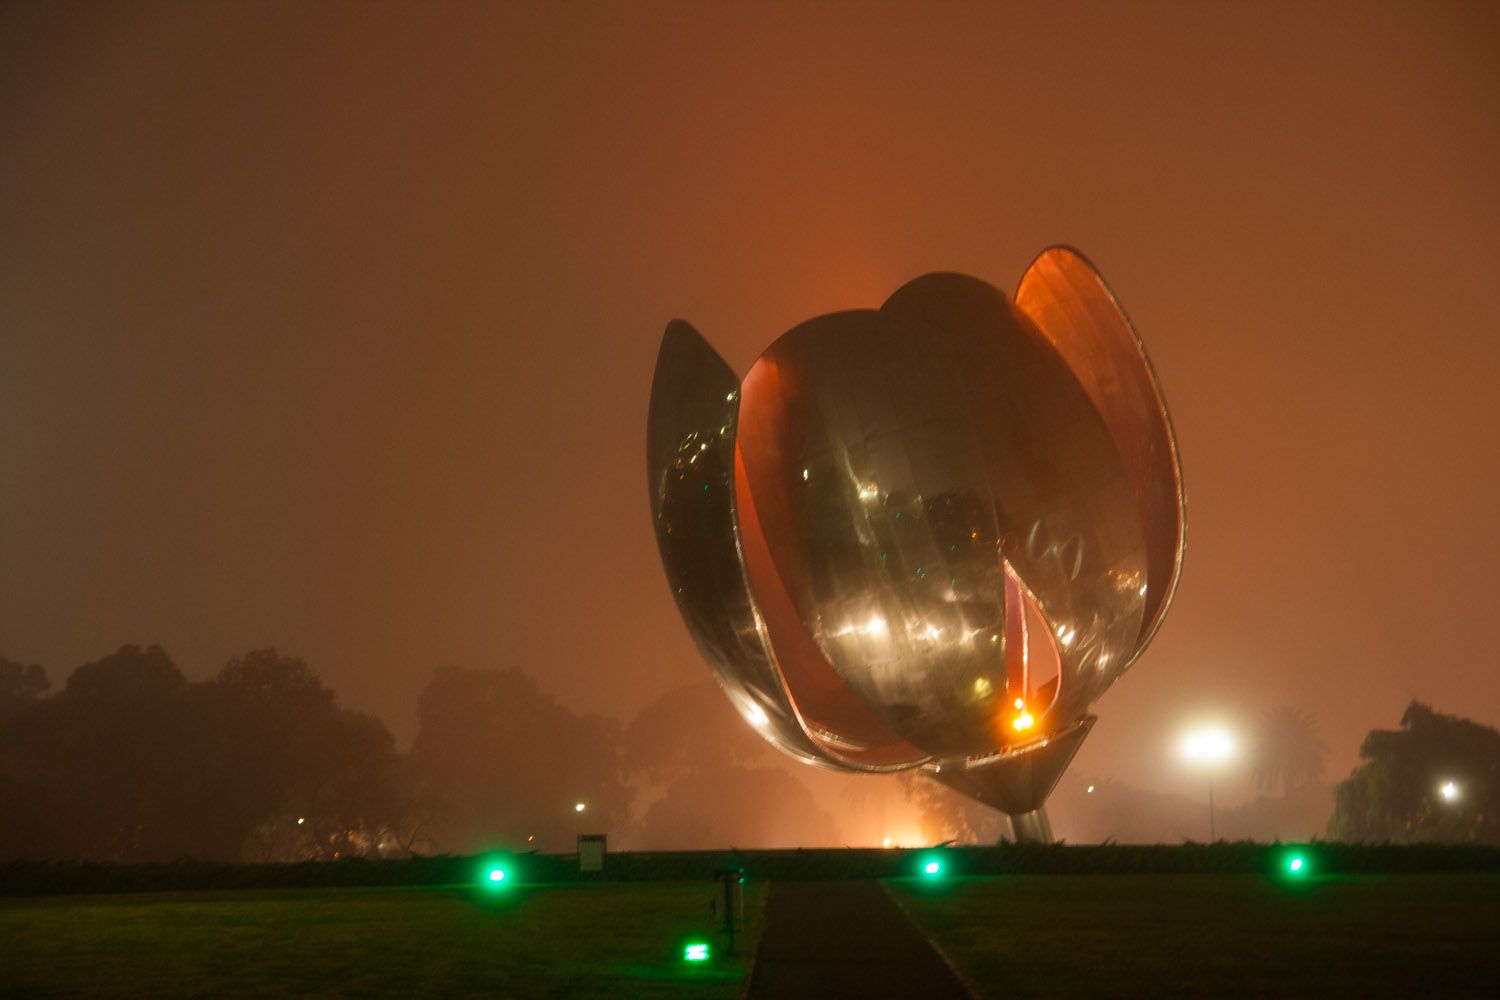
column 1208, row 748
column 1450, row 792
column 578, row 807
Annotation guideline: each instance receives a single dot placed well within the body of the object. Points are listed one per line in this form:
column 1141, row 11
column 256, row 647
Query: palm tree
column 1287, row 751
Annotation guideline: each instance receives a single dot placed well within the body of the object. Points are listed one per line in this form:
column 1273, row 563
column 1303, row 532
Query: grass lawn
column 622, row 939
column 1216, row 935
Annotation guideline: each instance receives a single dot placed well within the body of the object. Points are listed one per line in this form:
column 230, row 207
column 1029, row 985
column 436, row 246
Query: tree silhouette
column 1287, row 752
column 304, row 778
column 689, row 730
column 1436, row 778
column 505, row 764
column 98, row 770
column 760, row 807
column 20, row 687
column 132, row 762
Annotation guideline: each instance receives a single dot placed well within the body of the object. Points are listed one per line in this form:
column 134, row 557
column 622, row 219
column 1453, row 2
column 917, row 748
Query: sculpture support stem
column 1031, row 827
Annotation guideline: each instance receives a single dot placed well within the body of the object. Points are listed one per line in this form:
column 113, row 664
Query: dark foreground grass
column 1357, row 936
column 603, row 940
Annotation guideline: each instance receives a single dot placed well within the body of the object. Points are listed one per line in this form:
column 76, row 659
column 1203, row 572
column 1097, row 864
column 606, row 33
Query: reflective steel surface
column 690, row 456
column 928, row 534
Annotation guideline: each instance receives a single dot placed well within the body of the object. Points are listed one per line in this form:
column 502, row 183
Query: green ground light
column 696, row 952
column 497, row 872
column 1296, row 864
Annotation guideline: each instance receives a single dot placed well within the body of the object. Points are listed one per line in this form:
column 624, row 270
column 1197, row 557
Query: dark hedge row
column 62, row 877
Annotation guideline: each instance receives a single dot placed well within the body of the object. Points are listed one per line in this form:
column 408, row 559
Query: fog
column 128, row 760
column 329, row 327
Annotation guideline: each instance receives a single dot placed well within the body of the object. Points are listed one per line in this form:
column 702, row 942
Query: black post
column 1211, row 837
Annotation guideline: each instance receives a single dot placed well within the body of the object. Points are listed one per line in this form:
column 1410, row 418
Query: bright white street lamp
column 1208, row 748
column 578, row 807
column 1450, row 792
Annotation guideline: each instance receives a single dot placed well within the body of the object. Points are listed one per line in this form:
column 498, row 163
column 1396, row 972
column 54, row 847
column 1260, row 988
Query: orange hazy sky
column 330, row 326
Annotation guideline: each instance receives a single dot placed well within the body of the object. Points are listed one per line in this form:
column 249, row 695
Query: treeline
column 1225, row 857
column 132, row 762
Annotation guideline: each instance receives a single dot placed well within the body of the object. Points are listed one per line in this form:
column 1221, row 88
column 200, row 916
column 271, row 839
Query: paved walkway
column 827, row 940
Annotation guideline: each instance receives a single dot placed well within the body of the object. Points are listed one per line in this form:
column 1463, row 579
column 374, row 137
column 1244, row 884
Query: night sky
column 331, row 326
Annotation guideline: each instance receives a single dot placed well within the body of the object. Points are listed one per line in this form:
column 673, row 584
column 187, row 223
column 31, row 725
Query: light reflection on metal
column 926, row 535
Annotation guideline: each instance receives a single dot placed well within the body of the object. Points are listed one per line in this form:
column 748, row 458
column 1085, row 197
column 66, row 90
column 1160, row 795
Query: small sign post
column 590, row 852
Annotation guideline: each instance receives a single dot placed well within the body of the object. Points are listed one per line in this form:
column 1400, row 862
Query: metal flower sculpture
column 929, row 535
